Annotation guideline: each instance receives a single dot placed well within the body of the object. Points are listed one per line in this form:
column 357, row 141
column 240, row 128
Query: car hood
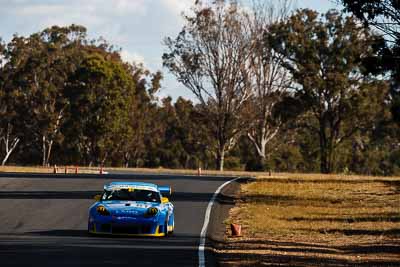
column 128, row 208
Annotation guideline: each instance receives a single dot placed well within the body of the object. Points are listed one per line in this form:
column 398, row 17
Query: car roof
column 138, row 185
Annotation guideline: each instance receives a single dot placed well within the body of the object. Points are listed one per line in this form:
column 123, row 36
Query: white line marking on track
column 203, row 233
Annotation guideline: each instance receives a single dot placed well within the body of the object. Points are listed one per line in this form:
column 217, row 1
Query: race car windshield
column 132, row 195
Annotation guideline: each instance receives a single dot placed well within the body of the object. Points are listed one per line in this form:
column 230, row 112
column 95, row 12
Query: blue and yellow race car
column 132, row 208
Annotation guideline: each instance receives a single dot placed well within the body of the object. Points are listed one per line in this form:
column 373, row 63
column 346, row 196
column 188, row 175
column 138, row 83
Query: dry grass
column 317, row 219
column 192, row 172
column 82, row 169
column 324, row 177
column 258, row 175
column 25, row 169
column 40, row 169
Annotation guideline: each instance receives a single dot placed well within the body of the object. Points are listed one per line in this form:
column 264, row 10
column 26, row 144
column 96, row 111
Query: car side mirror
column 164, row 200
column 97, row 197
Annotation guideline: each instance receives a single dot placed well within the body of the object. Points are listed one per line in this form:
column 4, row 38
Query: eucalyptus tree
column 384, row 16
column 269, row 80
column 10, row 140
column 209, row 57
column 192, row 134
column 324, row 55
column 38, row 68
column 9, row 137
column 142, row 113
column 100, row 93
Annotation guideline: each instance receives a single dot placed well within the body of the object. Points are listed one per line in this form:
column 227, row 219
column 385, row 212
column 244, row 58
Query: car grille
column 132, row 229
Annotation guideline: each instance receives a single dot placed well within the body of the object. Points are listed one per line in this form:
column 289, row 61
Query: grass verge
column 81, row 169
column 40, row 169
column 313, row 220
column 84, row 169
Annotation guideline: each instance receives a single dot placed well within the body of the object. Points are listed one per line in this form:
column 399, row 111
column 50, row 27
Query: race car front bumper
column 126, row 226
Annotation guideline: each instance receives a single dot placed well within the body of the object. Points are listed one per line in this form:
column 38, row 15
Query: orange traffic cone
column 236, row 229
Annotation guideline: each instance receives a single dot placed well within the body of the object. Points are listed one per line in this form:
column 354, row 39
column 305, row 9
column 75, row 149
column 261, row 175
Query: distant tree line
column 273, row 90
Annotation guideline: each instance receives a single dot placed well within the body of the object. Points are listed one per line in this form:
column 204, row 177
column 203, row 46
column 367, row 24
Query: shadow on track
column 176, row 196
column 48, row 194
column 67, row 232
column 310, row 254
column 74, row 248
column 182, row 238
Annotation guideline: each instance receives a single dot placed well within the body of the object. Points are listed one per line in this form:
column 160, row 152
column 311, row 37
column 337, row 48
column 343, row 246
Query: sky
column 138, row 27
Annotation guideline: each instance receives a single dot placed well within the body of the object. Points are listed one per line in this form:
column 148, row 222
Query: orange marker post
column 236, row 229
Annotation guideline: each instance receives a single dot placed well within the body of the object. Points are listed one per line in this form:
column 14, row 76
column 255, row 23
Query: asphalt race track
column 43, row 221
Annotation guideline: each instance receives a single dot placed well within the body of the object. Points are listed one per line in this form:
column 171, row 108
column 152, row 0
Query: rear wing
column 165, row 191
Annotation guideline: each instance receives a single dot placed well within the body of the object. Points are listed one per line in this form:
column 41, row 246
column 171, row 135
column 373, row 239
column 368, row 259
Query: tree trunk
column 6, row 157
column 326, row 158
column 220, row 159
column 330, row 153
column 46, row 147
column 263, row 162
column 324, row 162
column 127, row 157
column 261, row 143
column 10, row 150
column 323, row 150
column 49, row 147
column 9, row 147
column 103, row 160
column 44, row 150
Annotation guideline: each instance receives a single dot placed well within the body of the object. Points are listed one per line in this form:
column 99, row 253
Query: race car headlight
column 152, row 211
column 102, row 211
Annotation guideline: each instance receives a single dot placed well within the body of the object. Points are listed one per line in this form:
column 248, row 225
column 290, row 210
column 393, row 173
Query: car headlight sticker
column 102, row 211
column 152, row 211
